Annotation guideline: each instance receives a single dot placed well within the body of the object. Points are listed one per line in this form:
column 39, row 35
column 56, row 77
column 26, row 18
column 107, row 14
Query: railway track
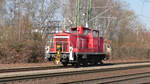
column 115, row 79
column 35, row 68
column 70, row 72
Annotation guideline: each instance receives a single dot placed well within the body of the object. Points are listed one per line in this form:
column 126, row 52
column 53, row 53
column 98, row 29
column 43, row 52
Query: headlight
column 64, row 56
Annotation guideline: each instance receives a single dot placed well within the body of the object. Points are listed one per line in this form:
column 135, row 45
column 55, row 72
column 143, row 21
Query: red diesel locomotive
column 80, row 46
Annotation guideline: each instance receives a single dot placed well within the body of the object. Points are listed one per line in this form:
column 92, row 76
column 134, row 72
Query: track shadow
column 92, row 65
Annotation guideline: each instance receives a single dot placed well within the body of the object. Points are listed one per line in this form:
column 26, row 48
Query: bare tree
column 18, row 41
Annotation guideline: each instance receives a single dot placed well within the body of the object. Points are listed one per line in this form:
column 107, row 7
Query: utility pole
column 89, row 13
column 78, row 12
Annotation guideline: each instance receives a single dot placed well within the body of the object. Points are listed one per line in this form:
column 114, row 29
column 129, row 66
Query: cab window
column 74, row 31
column 86, row 31
column 95, row 33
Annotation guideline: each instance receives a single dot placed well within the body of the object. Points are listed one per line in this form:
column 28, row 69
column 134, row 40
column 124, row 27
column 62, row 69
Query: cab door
column 95, row 40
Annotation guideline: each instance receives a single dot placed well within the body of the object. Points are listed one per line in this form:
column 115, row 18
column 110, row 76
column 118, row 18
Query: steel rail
column 139, row 76
column 112, row 79
column 23, row 77
column 35, row 68
column 32, row 68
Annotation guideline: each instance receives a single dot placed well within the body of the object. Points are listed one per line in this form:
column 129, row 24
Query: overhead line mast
column 78, row 12
column 89, row 12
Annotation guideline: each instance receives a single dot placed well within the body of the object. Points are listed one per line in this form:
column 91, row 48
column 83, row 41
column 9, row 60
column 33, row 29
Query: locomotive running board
column 60, row 52
column 90, row 53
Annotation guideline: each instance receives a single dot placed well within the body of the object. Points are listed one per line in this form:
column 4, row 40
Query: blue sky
column 142, row 10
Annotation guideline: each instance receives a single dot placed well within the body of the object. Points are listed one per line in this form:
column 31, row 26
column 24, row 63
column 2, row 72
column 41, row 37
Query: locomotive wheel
column 65, row 64
column 101, row 62
column 85, row 63
column 96, row 63
column 77, row 65
column 73, row 64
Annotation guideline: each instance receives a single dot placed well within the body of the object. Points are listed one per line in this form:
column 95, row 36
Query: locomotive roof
column 83, row 28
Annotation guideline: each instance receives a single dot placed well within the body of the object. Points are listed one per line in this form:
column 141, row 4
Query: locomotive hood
column 62, row 35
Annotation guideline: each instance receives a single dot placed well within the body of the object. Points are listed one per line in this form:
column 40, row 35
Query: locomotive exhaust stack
column 80, row 46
